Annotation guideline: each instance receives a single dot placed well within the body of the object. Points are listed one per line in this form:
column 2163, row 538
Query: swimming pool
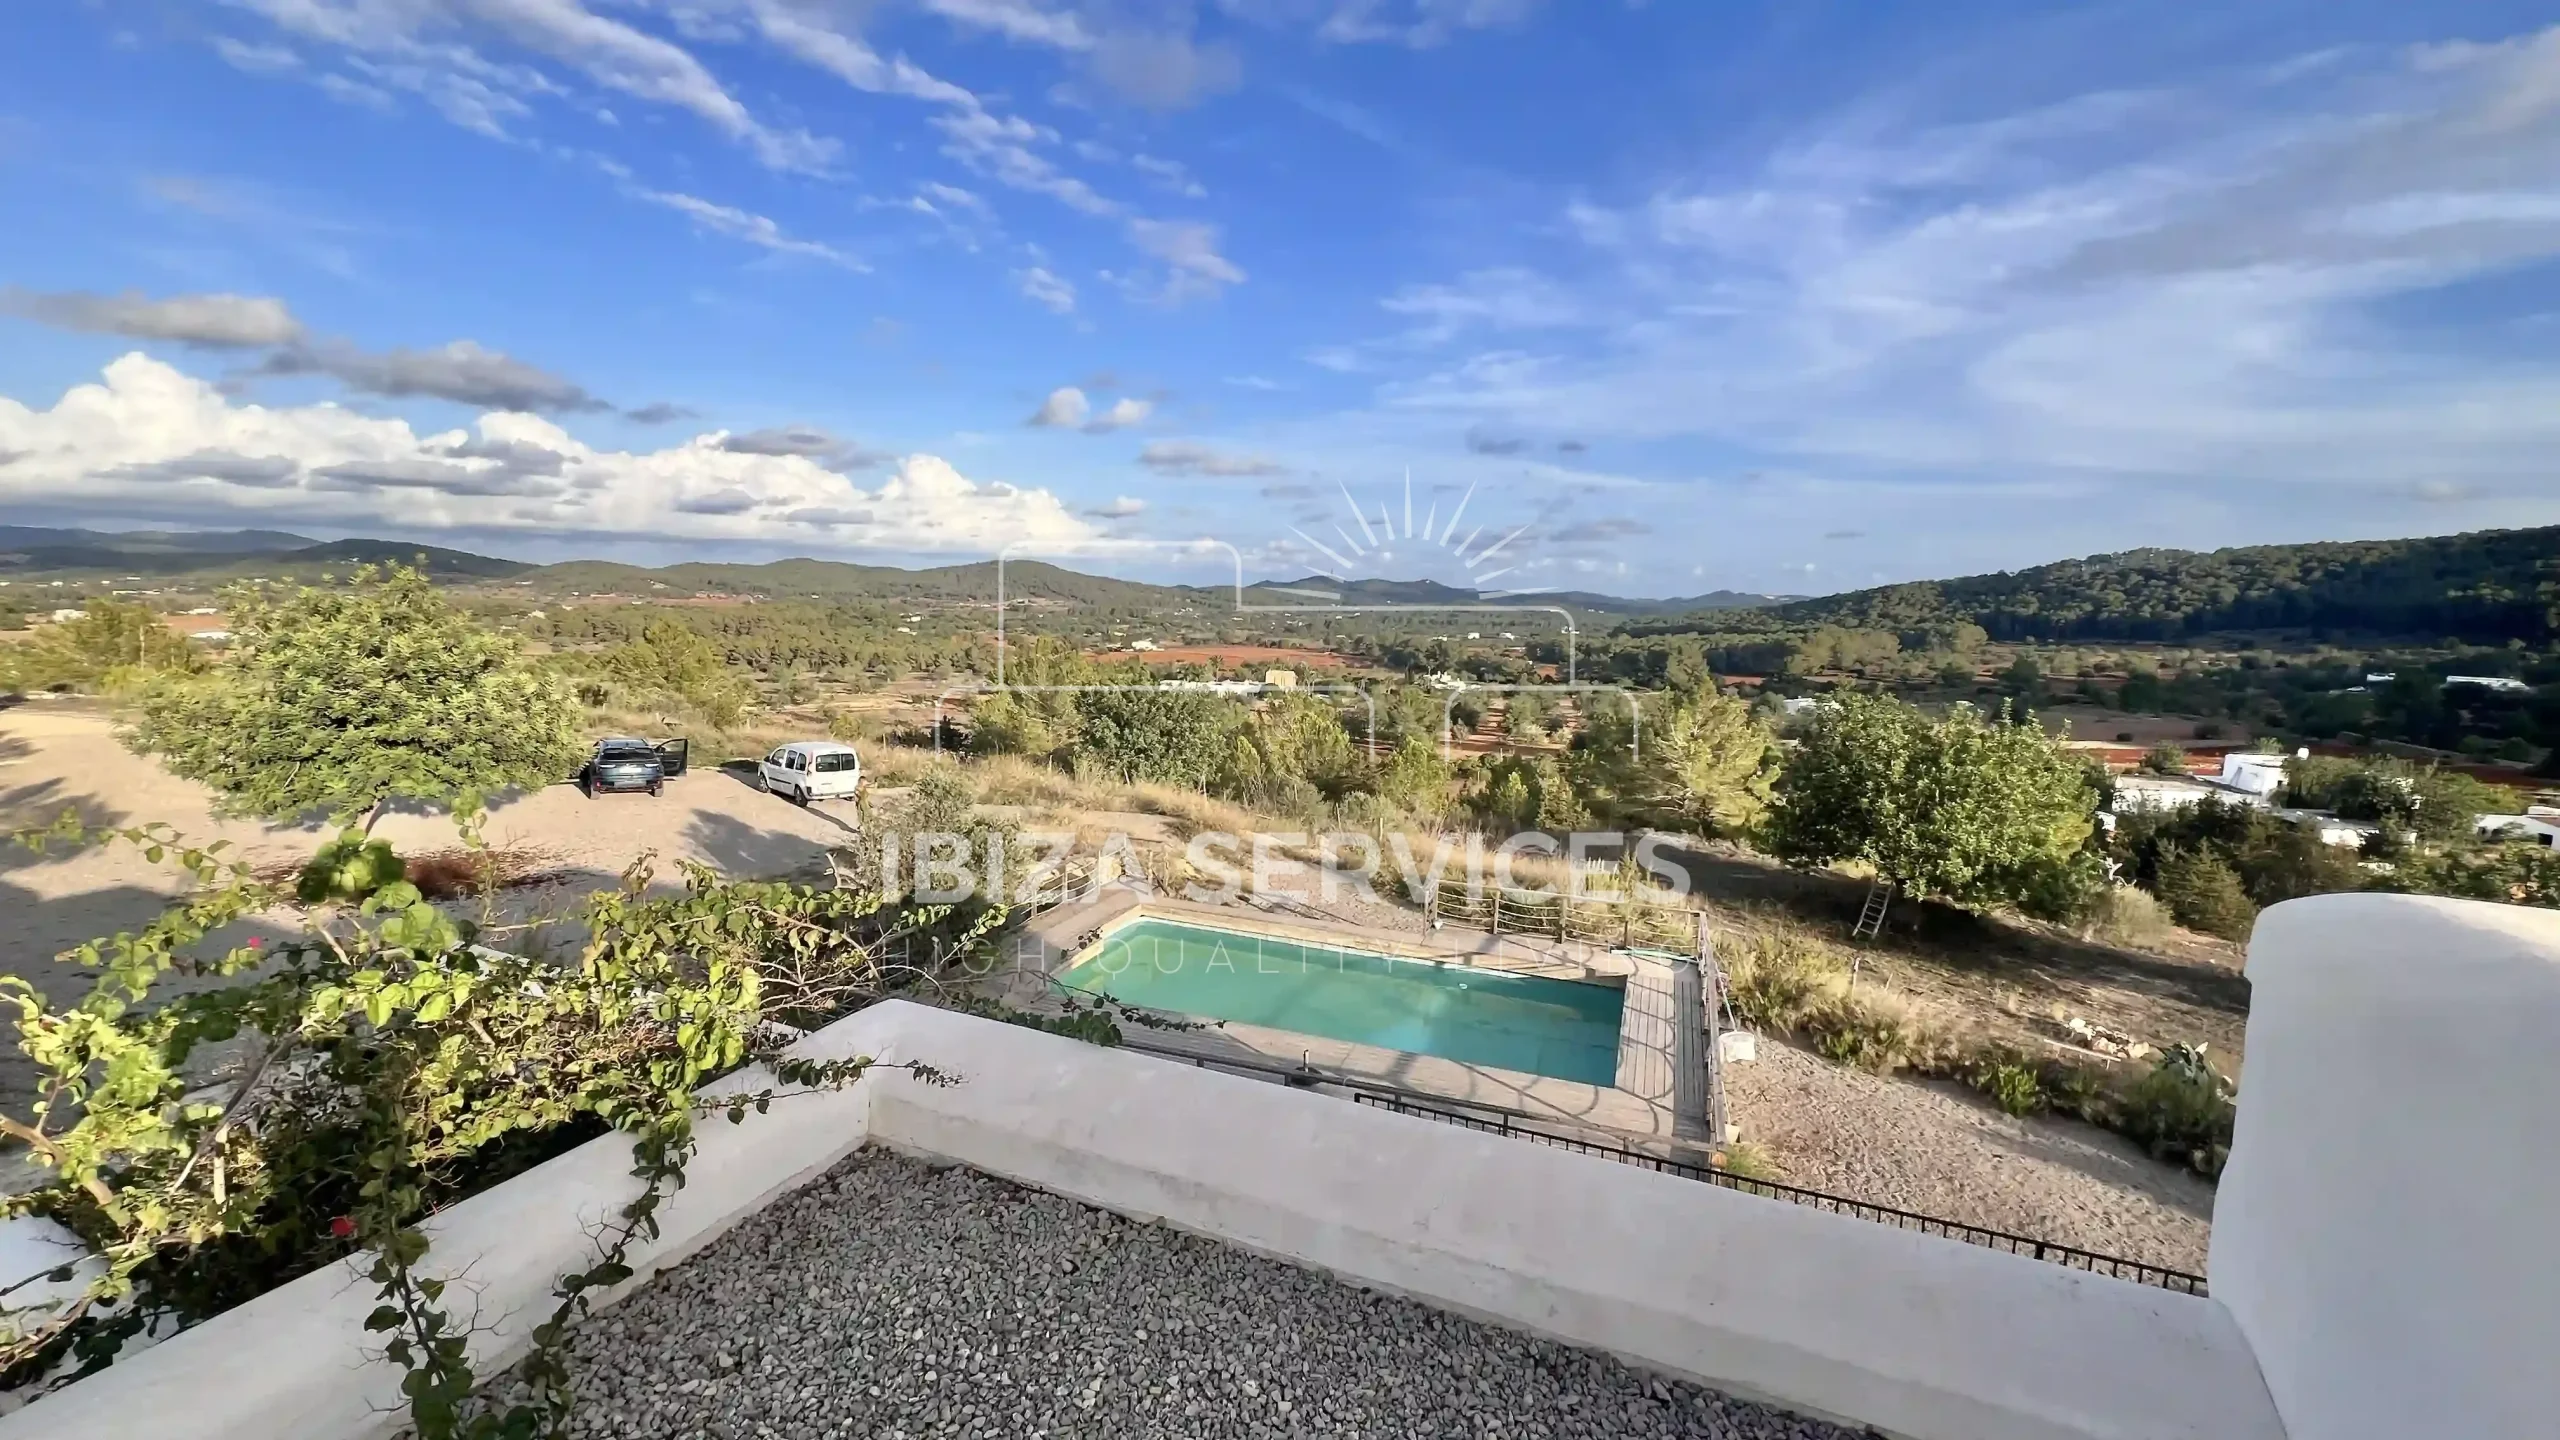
column 1480, row 1017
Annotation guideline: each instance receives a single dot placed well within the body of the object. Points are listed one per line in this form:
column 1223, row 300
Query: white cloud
column 404, row 43
column 754, row 229
column 1189, row 250
column 1001, row 148
column 1069, row 408
column 356, row 92
column 1172, row 174
column 1016, row 20
column 1120, row 508
column 1418, row 23
column 1047, row 289
column 149, row 440
column 1124, row 412
column 804, row 32
column 954, row 198
column 1065, row 408
column 2196, row 284
column 256, row 59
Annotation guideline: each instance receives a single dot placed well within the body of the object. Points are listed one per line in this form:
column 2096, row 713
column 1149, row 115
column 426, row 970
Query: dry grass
column 1786, row 979
column 2129, row 917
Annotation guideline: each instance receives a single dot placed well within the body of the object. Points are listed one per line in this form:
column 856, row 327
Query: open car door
column 672, row 755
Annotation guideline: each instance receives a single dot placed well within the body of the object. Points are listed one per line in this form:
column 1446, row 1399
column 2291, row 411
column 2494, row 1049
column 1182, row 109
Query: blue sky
column 1680, row 296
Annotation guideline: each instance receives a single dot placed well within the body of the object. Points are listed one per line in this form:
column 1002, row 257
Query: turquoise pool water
column 1481, row 1017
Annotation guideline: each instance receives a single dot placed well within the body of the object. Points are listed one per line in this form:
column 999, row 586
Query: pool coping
column 1647, row 1097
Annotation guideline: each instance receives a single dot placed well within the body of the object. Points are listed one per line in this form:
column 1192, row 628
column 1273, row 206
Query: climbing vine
column 380, row 1064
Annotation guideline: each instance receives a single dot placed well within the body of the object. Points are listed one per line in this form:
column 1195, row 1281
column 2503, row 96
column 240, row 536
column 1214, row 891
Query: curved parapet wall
column 2388, row 1230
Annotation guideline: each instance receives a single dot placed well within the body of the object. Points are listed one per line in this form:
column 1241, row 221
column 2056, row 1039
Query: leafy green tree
column 1302, row 735
column 1416, row 778
column 1560, row 808
column 2024, row 678
column 1712, row 763
column 1176, row 736
column 2204, row 892
column 111, row 641
column 2512, row 873
column 1704, row 761
column 341, row 699
column 1003, row 725
column 1509, row 798
column 670, row 656
column 1969, row 809
column 1525, row 716
column 1241, row 775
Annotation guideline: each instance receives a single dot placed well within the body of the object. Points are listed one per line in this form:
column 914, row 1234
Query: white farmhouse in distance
column 2489, row 682
column 2255, row 775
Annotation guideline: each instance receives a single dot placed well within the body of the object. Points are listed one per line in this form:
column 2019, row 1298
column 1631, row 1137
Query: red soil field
column 1231, row 657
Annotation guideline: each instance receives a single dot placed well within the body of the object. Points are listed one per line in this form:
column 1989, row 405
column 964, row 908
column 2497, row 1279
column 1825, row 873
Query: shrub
column 1859, row 1031
column 2182, row 1110
column 2127, row 916
column 2165, row 759
column 1778, row 977
column 1748, row 1161
column 2011, row 1082
column 2205, row 894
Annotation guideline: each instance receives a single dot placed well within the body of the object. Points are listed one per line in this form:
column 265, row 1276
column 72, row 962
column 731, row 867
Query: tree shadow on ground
column 744, row 851
column 40, row 803
column 42, row 927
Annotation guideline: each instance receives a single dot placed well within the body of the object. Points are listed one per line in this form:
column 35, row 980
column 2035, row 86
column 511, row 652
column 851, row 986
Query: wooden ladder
column 1871, row 915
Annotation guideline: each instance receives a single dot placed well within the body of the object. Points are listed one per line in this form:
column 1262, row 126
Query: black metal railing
column 1507, row 1123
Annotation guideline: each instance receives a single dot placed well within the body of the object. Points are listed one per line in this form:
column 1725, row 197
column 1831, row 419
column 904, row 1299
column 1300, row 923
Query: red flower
column 257, row 942
column 342, row 1228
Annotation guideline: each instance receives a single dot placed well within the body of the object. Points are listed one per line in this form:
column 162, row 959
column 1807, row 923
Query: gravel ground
column 1937, row 1150
column 895, row 1301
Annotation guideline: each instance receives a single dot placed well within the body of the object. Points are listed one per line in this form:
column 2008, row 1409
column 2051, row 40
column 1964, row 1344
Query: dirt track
column 54, row 755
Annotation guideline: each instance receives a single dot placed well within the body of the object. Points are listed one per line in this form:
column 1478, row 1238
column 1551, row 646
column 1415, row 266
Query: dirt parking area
column 55, row 755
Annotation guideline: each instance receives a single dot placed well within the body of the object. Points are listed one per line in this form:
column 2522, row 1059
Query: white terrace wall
column 2388, row 1232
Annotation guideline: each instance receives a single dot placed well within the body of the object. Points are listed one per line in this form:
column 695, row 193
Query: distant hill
column 838, row 580
column 2485, row 587
column 1319, row 589
column 217, row 557
column 151, row 542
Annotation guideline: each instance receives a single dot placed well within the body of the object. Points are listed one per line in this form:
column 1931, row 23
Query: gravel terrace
column 1937, row 1150
column 891, row 1300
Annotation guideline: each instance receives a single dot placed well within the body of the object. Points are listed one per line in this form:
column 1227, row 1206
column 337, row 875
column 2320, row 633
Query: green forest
column 2487, row 587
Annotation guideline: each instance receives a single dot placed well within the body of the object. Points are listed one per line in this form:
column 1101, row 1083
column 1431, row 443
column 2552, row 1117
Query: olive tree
column 1178, row 736
column 340, row 699
column 1970, row 809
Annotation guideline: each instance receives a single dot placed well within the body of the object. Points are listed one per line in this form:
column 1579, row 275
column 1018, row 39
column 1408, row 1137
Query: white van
column 807, row 770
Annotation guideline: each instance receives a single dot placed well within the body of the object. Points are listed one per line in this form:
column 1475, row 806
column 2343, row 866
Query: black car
column 623, row 763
